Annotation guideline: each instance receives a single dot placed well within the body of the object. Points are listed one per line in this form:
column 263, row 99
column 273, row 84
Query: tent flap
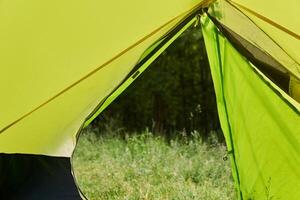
column 261, row 122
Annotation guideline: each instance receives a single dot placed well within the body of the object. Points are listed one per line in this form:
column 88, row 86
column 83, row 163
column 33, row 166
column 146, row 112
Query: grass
column 145, row 167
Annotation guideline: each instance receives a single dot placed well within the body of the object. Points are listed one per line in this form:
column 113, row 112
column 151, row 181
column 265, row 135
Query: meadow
column 147, row 167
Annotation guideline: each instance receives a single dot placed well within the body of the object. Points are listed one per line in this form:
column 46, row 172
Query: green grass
column 144, row 167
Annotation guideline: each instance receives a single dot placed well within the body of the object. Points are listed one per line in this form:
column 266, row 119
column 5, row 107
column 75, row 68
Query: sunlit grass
column 146, row 167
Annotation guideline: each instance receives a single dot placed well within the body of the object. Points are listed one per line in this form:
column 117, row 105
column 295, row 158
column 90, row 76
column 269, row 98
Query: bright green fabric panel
column 260, row 123
column 48, row 46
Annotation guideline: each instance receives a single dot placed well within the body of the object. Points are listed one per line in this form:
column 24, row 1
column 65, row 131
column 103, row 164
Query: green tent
column 63, row 62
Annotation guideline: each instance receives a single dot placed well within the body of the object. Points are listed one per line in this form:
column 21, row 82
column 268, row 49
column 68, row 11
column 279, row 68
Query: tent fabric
column 68, row 63
column 268, row 65
column 279, row 21
column 246, row 27
column 259, row 122
column 294, row 89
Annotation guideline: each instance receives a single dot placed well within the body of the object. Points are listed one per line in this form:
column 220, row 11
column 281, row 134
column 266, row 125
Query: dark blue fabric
column 35, row 177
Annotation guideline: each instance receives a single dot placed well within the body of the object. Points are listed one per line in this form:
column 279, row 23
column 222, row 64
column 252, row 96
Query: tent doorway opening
column 172, row 101
column 174, row 94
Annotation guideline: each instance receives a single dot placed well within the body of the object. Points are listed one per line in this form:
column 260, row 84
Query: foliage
column 174, row 94
column 144, row 166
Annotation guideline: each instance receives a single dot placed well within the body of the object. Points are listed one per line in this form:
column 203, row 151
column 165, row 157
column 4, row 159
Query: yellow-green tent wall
column 60, row 59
